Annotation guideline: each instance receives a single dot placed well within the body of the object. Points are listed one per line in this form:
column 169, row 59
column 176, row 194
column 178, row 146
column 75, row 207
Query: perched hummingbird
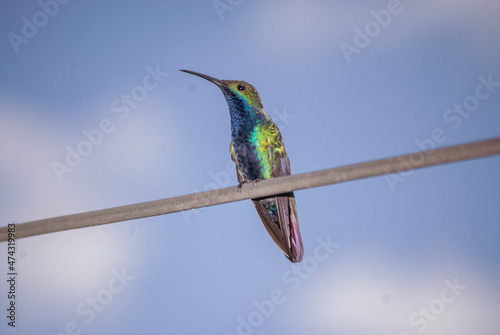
column 258, row 151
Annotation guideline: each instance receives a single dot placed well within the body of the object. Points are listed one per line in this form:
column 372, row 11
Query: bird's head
column 239, row 94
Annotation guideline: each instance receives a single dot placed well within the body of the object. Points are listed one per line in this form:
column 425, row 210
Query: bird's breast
column 246, row 159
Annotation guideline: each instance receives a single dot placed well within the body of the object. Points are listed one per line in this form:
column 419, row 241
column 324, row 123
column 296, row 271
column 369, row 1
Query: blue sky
column 94, row 114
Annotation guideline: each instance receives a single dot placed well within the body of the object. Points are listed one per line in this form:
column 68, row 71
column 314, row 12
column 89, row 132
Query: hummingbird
column 258, row 151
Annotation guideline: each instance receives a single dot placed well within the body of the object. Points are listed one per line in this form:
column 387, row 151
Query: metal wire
column 263, row 188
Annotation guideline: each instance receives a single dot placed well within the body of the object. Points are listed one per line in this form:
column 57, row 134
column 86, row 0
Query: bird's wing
column 279, row 213
column 279, row 216
column 287, row 213
column 277, row 153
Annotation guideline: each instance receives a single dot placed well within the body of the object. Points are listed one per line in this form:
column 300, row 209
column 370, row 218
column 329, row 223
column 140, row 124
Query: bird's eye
column 241, row 87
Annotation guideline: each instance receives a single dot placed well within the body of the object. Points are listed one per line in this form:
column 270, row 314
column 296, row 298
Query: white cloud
column 305, row 26
column 363, row 296
column 31, row 191
column 83, row 259
column 136, row 150
column 27, row 143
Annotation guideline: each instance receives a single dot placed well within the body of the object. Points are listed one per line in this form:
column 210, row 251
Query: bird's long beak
column 216, row 81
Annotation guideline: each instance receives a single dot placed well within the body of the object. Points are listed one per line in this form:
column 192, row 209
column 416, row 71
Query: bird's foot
column 244, row 182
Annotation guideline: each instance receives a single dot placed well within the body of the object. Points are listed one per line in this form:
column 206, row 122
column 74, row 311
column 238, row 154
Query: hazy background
column 400, row 242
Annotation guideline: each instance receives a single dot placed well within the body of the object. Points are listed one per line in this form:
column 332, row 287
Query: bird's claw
column 241, row 184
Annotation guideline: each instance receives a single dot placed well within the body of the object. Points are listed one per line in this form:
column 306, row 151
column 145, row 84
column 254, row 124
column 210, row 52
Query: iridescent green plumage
column 258, row 152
